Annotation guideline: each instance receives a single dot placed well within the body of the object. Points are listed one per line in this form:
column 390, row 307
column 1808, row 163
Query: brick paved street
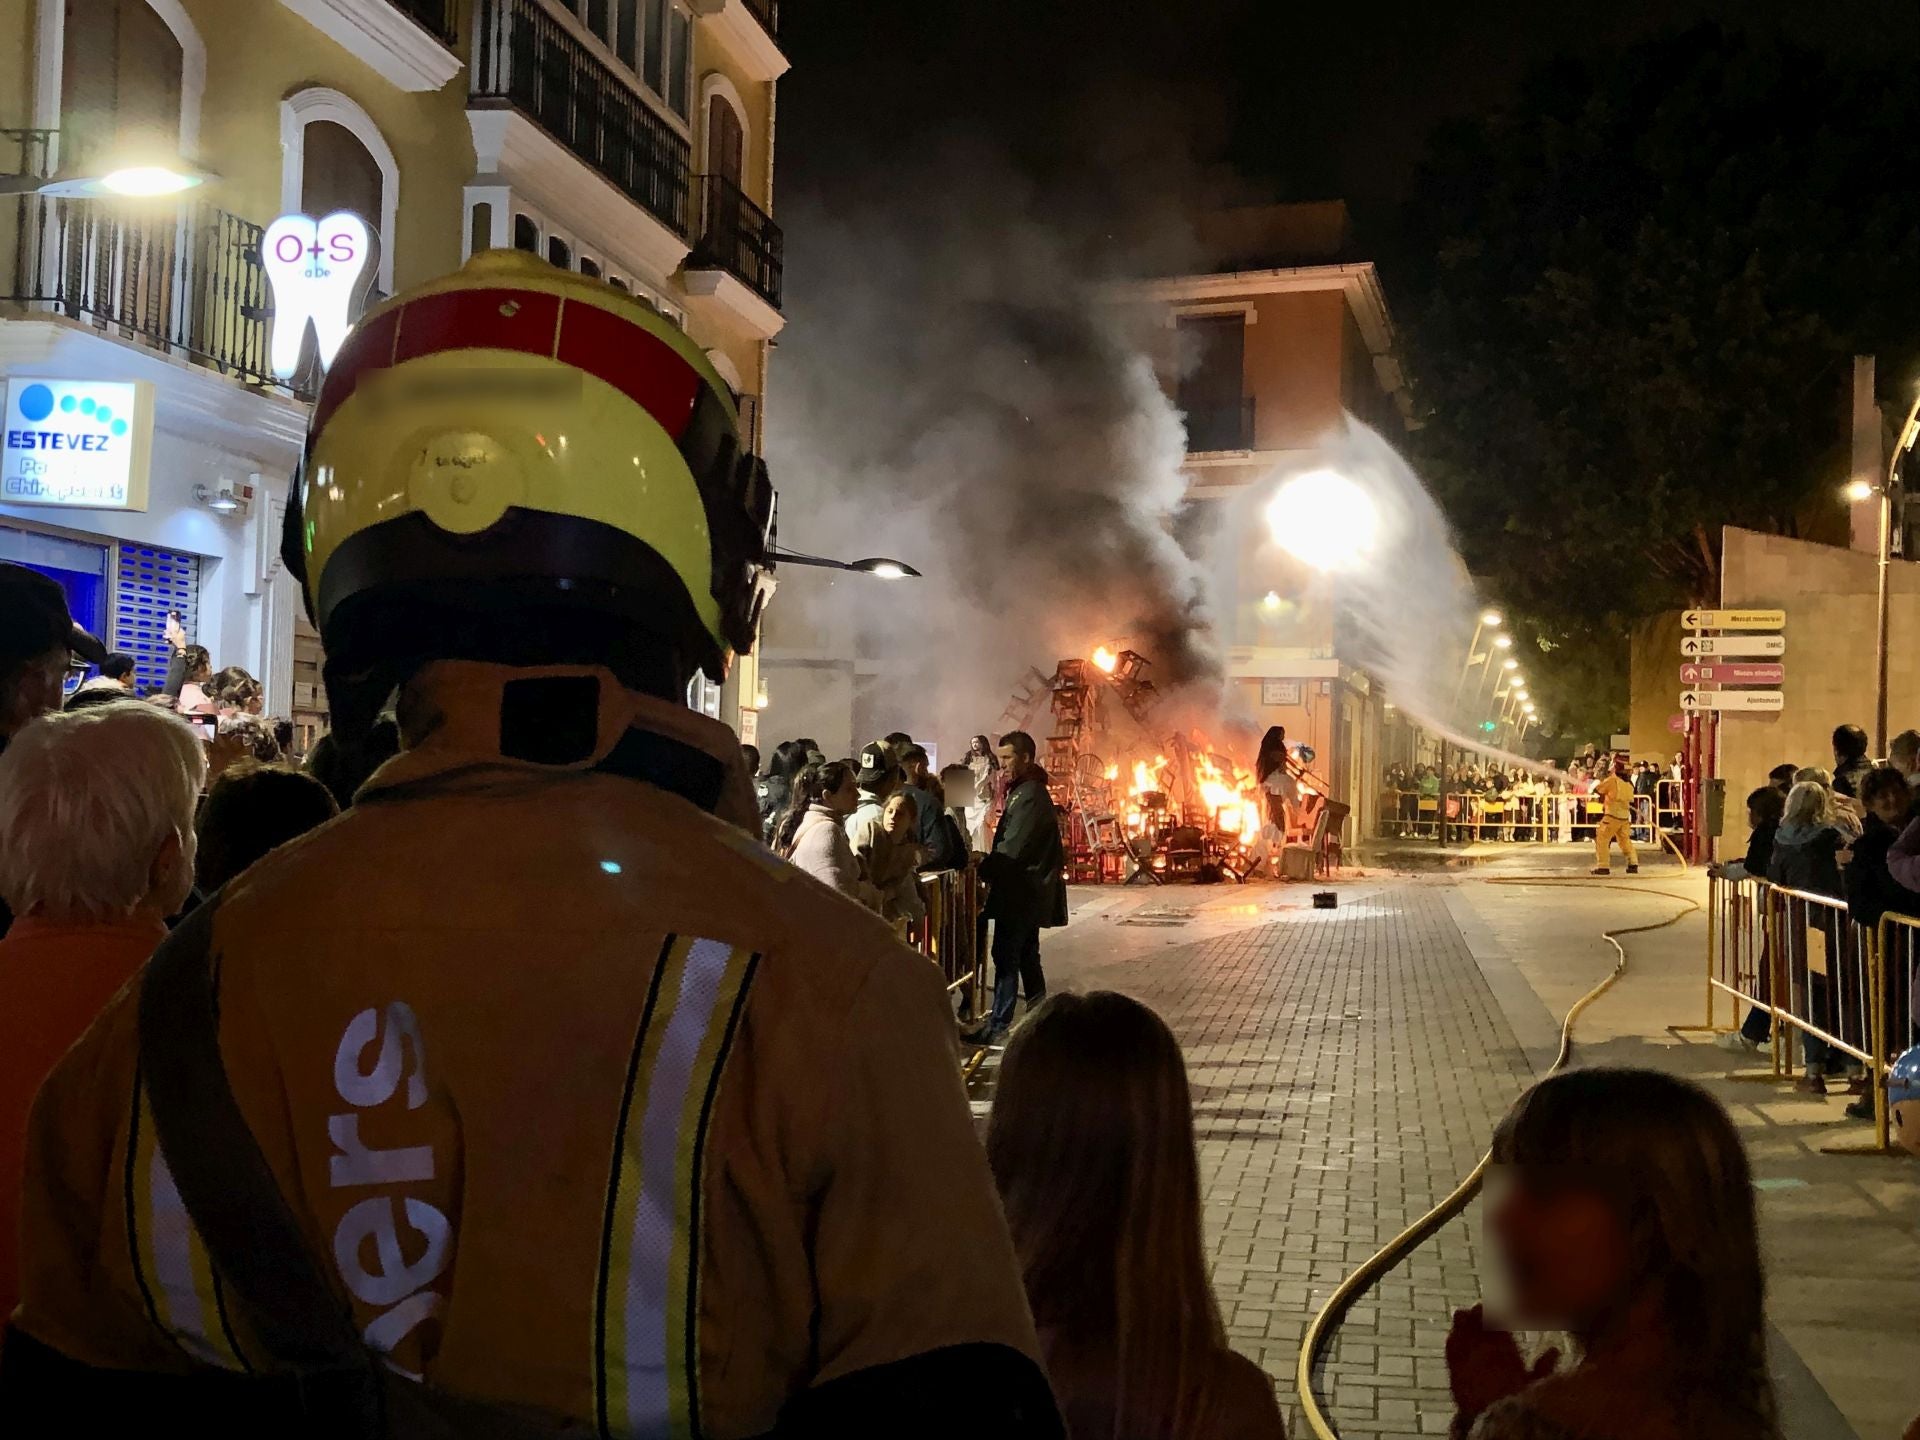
column 1348, row 1067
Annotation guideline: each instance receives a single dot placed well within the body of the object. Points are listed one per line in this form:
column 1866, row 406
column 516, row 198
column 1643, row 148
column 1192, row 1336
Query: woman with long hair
column 812, row 835
column 1273, row 769
column 1091, row 1144
column 1621, row 1211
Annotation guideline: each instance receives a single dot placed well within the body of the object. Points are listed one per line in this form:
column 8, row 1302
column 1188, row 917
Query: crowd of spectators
column 1851, row 834
column 1627, row 1220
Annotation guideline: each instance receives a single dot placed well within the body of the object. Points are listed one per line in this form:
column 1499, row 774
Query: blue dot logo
column 119, row 427
column 68, row 404
column 103, row 414
column 36, row 402
column 87, row 406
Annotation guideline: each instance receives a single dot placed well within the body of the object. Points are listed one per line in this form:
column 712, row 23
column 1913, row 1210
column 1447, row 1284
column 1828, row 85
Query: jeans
column 1016, row 963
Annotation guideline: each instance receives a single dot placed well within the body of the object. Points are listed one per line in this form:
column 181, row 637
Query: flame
column 1113, row 772
column 1106, row 659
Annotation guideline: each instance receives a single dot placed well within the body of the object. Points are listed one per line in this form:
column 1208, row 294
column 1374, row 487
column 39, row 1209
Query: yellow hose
column 1320, row 1332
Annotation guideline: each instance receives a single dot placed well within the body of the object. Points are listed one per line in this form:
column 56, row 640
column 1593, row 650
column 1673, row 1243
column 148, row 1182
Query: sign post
column 1733, row 620
column 1747, row 646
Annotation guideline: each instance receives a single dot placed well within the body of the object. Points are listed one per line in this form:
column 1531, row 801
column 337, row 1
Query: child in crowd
column 1092, row 1146
column 1621, row 1211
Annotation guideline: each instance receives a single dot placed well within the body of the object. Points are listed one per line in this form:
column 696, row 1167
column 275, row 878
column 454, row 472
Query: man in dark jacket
column 1850, row 762
column 1026, row 889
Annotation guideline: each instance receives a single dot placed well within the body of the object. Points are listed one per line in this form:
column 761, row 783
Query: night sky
column 1269, row 99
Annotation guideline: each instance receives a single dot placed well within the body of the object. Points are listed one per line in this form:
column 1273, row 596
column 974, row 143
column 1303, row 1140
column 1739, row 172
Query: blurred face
column 1563, row 1251
column 37, row 689
column 899, row 816
column 1890, row 806
column 847, row 798
column 916, row 771
column 1014, row 763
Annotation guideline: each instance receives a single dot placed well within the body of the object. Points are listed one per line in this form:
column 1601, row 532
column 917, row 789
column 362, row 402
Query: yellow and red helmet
column 518, row 463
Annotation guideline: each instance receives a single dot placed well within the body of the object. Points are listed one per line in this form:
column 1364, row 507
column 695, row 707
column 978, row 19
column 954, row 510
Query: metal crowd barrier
column 1557, row 818
column 949, row 936
column 1825, row 981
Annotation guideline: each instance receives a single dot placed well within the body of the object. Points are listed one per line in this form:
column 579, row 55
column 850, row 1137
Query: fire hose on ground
column 1320, row 1333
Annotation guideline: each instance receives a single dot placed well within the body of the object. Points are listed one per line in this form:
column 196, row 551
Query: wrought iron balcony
column 767, row 12
column 185, row 280
column 439, row 18
column 1220, row 427
column 739, row 237
column 525, row 57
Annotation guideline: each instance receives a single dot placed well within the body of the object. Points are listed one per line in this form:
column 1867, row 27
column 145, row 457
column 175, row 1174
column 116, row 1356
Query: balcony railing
column 767, row 12
column 524, row 57
column 439, row 18
column 183, row 279
column 739, row 237
column 1220, row 427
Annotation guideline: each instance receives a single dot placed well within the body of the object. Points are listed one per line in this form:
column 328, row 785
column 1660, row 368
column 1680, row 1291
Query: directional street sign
column 1691, row 700
column 1731, row 674
column 1702, row 646
column 1734, row 620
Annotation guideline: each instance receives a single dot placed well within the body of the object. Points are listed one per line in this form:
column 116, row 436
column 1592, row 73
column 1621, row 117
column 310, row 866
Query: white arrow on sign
column 1733, row 620
column 1701, row 647
column 1693, row 700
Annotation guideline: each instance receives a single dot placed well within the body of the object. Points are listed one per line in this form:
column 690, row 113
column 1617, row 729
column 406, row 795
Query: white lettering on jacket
column 378, row 1050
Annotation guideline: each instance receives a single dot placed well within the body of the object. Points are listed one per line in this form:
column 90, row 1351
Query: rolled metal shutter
column 148, row 582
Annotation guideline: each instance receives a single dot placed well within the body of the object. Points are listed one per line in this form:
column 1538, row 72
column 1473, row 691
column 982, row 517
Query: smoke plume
column 958, row 389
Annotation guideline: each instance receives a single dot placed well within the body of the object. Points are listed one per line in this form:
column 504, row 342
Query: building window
column 589, row 268
column 653, row 63
column 335, row 158
column 480, row 228
column 526, row 234
column 121, row 78
column 338, row 173
column 559, row 253
column 726, row 140
column 1212, row 382
column 626, row 34
column 679, row 61
column 616, row 282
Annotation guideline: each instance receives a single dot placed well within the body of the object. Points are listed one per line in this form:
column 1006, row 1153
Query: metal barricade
column 1823, row 979
column 949, row 936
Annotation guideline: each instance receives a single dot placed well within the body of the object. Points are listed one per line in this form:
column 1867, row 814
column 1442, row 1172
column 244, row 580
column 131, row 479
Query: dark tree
column 1630, row 303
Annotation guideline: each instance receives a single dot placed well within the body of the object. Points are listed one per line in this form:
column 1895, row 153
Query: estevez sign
column 82, row 444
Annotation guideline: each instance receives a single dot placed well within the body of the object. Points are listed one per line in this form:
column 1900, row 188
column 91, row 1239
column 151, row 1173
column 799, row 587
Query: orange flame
column 1106, row 659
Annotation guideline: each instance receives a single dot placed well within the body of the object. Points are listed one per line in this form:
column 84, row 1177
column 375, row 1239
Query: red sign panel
column 1726, row 673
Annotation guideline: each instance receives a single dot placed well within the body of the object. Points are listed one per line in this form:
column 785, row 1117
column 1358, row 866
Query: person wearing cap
column 39, row 648
column 532, row 1095
column 877, row 779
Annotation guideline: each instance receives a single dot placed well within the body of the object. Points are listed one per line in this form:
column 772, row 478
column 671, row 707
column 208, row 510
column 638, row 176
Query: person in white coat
column 812, row 833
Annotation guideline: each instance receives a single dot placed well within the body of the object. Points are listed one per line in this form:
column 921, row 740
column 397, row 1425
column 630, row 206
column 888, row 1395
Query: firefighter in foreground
column 1615, row 794
column 540, row 1098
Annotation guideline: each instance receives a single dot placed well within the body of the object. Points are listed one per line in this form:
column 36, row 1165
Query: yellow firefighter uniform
column 590, row 1103
column 1615, row 793
column 575, row 1097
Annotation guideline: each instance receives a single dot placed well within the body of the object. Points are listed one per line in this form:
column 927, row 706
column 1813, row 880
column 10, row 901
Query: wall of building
column 260, row 53
column 1828, row 594
column 1654, row 687
column 1293, row 367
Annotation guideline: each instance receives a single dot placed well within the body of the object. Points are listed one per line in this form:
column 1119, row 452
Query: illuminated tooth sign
column 315, row 268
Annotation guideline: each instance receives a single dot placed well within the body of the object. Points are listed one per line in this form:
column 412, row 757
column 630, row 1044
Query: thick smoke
column 959, row 389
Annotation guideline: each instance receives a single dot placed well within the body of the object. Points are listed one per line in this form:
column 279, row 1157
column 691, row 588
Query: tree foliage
column 1629, row 304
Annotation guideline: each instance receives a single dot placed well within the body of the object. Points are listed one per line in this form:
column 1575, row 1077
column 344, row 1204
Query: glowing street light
column 1489, row 620
column 1858, row 490
column 1505, row 642
column 1324, row 519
